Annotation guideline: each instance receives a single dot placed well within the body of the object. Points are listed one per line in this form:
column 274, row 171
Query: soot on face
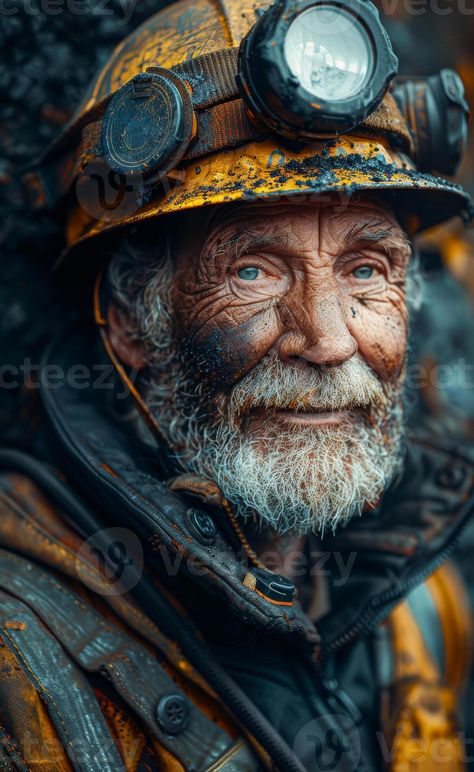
column 305, row 254
column 222, row 356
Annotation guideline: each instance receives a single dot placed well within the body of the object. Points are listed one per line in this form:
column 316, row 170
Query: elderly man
column 239, row 564
column 280, row 376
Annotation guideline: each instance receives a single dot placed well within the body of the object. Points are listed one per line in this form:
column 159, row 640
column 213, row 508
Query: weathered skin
column 308, row 305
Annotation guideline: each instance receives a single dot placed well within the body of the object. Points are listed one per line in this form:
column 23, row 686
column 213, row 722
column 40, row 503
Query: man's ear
column 129, row 352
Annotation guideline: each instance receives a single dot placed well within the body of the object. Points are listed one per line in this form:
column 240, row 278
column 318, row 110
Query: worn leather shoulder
column 77, row 656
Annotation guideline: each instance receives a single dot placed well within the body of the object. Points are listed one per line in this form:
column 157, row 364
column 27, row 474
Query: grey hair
column 139, row 280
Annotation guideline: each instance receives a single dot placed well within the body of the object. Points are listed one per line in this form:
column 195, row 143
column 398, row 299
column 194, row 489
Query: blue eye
column 249, row 273
column 363, row 272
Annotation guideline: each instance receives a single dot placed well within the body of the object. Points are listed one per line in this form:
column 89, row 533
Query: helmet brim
column 262, row 171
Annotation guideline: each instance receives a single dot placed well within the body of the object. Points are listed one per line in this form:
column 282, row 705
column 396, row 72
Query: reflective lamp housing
column 312, row 68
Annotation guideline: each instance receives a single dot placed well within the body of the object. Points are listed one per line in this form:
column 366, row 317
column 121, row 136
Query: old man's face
column 285, row 360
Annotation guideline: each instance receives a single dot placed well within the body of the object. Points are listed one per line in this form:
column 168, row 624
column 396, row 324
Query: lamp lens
column 329, row 52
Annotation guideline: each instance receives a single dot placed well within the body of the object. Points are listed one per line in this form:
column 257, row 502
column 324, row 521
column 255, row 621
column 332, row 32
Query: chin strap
column 153, row 424
column 140, row 403
column 251, row 554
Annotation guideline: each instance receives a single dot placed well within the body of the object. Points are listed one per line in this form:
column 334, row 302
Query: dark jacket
column 133, row 635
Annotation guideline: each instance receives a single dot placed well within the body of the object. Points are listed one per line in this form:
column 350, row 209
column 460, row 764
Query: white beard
column 299, row 478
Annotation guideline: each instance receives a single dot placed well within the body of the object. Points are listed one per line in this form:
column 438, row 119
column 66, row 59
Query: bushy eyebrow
column 241, row 243
column 364, row 230
column 370, row 232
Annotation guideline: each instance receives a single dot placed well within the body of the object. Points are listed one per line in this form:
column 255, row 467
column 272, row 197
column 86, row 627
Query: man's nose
column 318, row 333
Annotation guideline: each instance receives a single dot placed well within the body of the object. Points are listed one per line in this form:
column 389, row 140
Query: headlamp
column 312, row 68
column 306, row 70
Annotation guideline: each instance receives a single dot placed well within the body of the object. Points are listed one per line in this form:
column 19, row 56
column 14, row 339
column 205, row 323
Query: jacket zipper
column 372, row 617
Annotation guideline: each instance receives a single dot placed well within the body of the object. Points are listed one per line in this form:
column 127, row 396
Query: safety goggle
column 306, row 70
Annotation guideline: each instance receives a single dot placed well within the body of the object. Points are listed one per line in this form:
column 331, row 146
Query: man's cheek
column 382, row 341
column 224, row 355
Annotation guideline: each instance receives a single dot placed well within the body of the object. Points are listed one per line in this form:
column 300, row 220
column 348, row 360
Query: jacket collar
column 385, row 554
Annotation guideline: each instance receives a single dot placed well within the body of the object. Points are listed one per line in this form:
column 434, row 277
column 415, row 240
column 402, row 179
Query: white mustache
column 273, row 385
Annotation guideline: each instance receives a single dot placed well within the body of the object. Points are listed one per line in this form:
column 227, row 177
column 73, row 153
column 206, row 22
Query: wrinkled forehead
column 337, row 214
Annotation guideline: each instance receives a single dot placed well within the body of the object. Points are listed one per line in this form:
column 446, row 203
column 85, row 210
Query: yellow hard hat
column 167, row 126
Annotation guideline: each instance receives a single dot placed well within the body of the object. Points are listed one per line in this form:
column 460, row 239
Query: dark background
column 49, row 55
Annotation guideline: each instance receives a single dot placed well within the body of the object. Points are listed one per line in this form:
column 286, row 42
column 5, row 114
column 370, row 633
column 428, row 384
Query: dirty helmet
column 211, row 103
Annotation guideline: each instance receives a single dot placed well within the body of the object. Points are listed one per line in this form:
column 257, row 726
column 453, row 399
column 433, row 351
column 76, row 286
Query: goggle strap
column 223, row 126
column 211, row 77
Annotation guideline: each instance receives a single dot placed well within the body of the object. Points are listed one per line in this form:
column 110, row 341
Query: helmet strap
column 101, row 322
